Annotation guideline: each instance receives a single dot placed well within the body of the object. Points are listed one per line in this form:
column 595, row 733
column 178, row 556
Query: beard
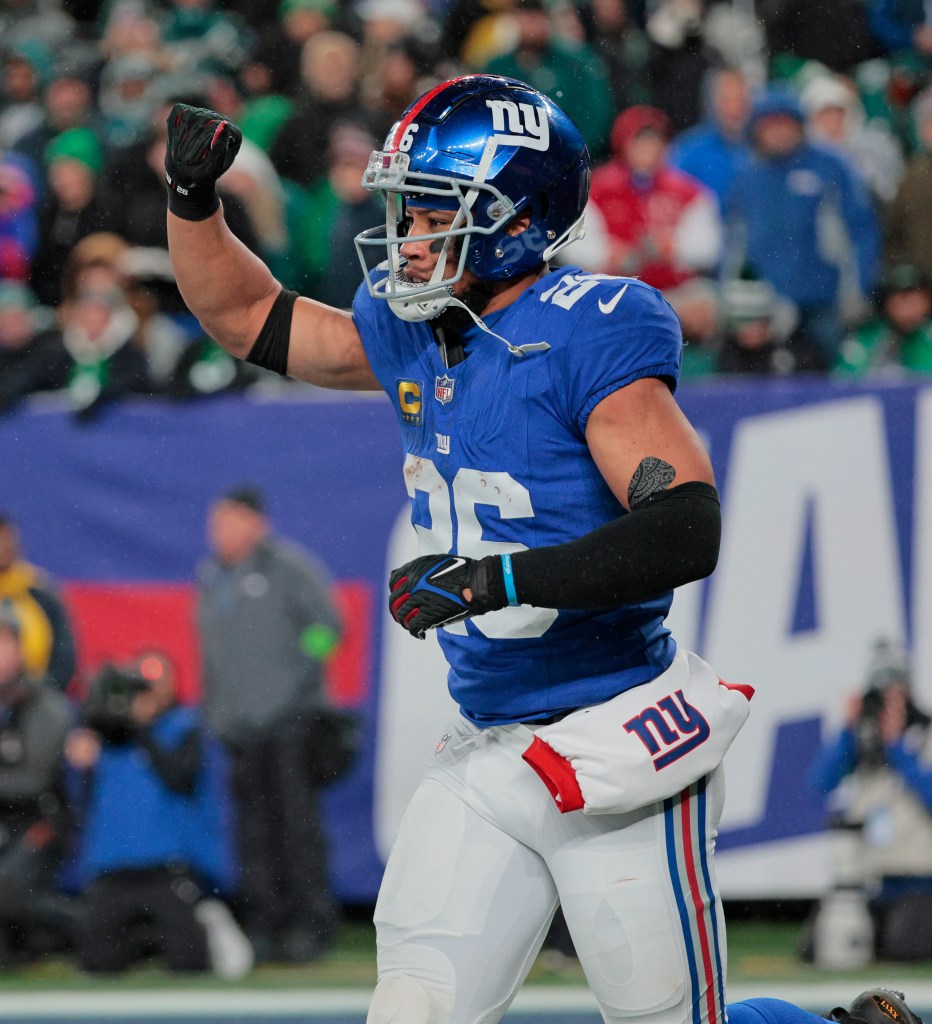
column 475, row 296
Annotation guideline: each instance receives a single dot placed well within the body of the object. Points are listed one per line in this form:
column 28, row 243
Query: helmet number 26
column 407, row 140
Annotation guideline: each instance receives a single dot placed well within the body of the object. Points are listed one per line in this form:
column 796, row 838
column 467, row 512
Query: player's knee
column 400, row 999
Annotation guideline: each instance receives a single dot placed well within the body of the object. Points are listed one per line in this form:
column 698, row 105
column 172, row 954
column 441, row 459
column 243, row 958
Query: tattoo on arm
column 651, row 476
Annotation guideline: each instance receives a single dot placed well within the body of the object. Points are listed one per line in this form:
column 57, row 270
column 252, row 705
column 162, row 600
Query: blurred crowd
column 136, row 825
column 765, row 163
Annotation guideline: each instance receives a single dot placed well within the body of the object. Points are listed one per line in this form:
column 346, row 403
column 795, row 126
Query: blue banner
column 822, row 485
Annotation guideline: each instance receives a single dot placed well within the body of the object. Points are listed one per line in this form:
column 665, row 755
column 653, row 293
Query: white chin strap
column 414, row 311
column 515, row 350
column 432, row 307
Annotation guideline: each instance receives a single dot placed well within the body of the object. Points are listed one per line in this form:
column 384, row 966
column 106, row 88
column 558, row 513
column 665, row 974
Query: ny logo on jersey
column 669, row 729
column 527, row 125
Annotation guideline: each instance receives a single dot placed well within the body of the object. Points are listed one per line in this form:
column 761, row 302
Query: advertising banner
column 827, row 548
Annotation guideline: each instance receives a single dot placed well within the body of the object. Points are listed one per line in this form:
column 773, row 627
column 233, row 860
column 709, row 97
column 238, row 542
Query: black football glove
column 427, row 592
column 201, row 146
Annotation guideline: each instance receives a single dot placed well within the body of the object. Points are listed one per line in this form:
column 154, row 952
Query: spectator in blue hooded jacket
column 799, row 217
column 901, row 25
column 715, row 150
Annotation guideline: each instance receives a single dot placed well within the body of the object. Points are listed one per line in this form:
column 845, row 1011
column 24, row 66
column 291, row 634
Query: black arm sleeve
column 669, row 539
column 178, row 766
column 270, row 349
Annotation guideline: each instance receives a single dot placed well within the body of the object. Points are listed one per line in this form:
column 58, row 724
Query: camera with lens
column 889, row 667
column 108, row 707
column 867, row 732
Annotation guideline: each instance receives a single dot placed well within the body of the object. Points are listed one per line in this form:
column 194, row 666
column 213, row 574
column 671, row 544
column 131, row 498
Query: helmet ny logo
column 527, row 125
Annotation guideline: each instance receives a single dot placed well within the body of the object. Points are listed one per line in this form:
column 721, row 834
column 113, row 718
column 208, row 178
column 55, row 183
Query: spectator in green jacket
column 337, row 209
column 899, row 340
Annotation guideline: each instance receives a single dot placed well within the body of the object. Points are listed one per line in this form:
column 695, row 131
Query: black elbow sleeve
column 270, row 349
column 670, row 539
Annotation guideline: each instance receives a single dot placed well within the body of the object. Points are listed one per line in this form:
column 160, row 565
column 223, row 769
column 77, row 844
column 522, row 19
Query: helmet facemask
column 489, row 150
column 388, row 174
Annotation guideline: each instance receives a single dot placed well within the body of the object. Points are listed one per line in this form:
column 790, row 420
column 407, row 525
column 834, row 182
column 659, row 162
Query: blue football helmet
column 491, row 149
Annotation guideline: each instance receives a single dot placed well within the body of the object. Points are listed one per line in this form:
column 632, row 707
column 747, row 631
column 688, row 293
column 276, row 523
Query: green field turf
column 758, row 953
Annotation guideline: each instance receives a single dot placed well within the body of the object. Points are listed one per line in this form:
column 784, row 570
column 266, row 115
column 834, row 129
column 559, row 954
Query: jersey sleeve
column 391, row 344
column 618, row 342
column 365, row 317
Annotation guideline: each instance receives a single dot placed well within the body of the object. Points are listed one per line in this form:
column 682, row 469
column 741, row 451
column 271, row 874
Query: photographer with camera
column 155, row 833
column 878, row 774
column 34, row 719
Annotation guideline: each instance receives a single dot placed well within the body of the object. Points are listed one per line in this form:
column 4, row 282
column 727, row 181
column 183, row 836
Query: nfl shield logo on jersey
column 443, row 389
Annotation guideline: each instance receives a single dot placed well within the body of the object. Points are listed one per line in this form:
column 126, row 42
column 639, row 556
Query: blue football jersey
column 496, row 461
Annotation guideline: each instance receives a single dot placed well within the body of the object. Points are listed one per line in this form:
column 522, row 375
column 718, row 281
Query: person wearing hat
column 99, row 341
column 698, row 307
column 798, row 217
column 714, row 150
column 835, row 118
column 267, row 624
column 761, row 333
column 73, row 206
column 34, row 718
column 901, row 26
column 203, row 32
column 25, row 69
column 130, row 90
column 663, row 225
column 899, row 339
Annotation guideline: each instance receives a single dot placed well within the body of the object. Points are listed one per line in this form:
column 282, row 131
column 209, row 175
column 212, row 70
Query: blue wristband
column 509, row 581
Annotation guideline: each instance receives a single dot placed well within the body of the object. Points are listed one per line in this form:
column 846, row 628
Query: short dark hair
column 248, row 495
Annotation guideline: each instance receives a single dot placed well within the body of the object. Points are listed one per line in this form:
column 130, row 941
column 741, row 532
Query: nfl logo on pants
column 443, row 389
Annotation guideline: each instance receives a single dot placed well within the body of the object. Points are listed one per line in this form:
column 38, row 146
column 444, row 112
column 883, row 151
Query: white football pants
column 483, row 858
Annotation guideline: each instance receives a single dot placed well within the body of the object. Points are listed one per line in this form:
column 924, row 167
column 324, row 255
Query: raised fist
column 202, row 145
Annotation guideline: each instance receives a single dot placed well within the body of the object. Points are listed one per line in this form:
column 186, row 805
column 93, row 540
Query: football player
column 560, row 496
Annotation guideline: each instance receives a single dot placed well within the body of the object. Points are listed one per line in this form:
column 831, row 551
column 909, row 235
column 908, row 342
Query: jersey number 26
column 470, row 489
